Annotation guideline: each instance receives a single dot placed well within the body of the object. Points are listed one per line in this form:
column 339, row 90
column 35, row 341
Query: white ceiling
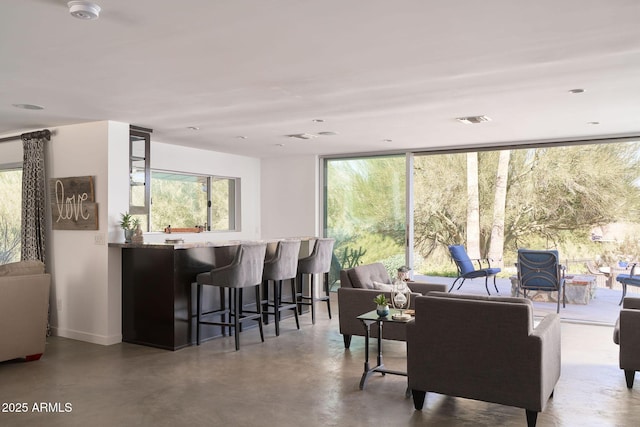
column 250, row 72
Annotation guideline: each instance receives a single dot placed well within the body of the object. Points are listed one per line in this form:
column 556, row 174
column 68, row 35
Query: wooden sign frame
column 73, row 205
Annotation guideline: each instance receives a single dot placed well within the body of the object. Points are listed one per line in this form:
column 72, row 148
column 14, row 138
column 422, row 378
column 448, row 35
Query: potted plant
column 382, row 305
column 128, row 223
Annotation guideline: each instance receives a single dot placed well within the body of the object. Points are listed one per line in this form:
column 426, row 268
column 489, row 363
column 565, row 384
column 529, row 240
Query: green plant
column 127, row 221
column 380, row 299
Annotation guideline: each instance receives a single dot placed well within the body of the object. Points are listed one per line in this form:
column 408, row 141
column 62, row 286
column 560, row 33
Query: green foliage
column 380, row 299
column 554, row 195
column 10, row 215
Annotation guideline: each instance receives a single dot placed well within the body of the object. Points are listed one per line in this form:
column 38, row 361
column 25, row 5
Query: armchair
column 358, row 287
column 630, row 279
column 541, row 271
column 24, row 305
column 466, row 269
column 453, row 349
column 627, row 335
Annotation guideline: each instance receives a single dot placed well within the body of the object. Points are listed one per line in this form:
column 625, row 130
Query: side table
column 367, row 320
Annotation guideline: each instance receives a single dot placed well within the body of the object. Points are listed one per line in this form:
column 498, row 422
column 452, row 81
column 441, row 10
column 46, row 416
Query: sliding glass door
column 365, row 210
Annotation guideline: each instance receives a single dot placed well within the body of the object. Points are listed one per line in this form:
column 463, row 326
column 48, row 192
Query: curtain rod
column 45, row 133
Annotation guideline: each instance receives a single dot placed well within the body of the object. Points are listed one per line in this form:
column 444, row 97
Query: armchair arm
column 424, row 288
column 629, row 337
column 548, row 332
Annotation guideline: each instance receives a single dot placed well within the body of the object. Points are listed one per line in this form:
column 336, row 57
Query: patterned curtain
column 33, row 196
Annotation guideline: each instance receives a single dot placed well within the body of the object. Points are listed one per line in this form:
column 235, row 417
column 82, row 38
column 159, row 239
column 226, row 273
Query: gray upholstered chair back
column 245, row 270
column 320, row 259
column 284, row 263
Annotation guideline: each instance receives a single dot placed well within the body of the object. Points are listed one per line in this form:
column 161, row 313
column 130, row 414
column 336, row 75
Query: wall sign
column 73, row 204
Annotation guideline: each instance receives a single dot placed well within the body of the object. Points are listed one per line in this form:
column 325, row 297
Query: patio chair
column 628, row 280
column 541, row 271
column 466, row 269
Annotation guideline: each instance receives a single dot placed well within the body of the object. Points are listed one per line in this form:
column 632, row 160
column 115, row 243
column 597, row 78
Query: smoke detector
column 84, row 10
column 473, row 119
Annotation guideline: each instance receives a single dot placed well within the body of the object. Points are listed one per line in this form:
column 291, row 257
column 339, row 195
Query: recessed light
column 576, row 91
column 318, row 120
column 241, row 137
column 387, row 140
column 593, row 123
column 28, row 106
column 327, row 133
column 193, row 128
column 473, row 119
column 280, row 145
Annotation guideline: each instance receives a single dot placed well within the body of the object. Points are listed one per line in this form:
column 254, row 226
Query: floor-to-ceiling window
column 365, row 210
column 10, row 212
column 581, row 198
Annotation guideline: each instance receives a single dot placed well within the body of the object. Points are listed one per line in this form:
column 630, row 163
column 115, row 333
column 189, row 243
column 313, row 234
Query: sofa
column 24, row 307
column 483, row 348
column 626, row 334
column 358, row 287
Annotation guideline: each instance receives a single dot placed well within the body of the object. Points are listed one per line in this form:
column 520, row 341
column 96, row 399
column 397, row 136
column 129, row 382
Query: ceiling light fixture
column 593, row 123
column 28, row 106
column 84, row 10
column 327, row 133
column 576, row 91
column 473, row 119
column 193, row 128
column 318, row 120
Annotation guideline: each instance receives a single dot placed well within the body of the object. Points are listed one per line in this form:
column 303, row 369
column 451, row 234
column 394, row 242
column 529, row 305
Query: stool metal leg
column 259, row 313
column 198, row 309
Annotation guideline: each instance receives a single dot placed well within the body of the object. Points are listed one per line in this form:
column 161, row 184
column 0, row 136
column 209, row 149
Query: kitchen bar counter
column 158, row 289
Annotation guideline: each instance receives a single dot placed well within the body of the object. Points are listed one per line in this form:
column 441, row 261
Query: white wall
column 290, row 197
column 80, row 306
column 10, row 151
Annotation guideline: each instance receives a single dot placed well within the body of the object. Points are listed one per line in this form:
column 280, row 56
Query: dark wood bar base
column 159, row 293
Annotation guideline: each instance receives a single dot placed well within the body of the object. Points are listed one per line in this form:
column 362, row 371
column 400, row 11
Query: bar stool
column 245, row 271
column 281, row 266
column 319, row 262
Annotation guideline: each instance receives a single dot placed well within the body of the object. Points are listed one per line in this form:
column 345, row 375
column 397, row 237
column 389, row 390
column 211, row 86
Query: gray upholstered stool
column 245, row 271
column 282, row 265
column 319, row 262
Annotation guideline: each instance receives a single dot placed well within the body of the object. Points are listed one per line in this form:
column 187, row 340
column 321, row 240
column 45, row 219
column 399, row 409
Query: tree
column 496, row 244
column 473, row 207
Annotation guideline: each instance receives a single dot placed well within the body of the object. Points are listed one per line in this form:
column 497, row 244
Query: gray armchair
column 627, row 335
column 483, row 348
column 355, row 297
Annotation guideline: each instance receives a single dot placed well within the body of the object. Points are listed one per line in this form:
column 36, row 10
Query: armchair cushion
column 22, row 268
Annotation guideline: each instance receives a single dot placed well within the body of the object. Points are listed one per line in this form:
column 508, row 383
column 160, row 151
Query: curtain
column 33, row 196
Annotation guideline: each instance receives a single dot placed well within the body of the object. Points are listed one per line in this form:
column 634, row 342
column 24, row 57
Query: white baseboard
column 84, row 336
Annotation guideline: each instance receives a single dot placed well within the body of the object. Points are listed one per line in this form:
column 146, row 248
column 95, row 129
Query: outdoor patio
column 602, row 309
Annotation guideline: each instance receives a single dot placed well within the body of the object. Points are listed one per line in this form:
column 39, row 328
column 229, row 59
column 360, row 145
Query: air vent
column 302, row 135
column 473, row 119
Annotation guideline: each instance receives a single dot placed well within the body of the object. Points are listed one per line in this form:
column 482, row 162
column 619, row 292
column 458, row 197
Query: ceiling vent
column 302, row 135
column 473, row 119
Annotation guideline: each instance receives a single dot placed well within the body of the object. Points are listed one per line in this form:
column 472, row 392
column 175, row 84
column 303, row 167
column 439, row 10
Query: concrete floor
column 303, row 377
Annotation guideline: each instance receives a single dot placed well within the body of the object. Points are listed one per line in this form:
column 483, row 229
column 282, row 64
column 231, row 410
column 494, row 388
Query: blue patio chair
column 541, row 271
column 628, row 280
column 467, row 270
